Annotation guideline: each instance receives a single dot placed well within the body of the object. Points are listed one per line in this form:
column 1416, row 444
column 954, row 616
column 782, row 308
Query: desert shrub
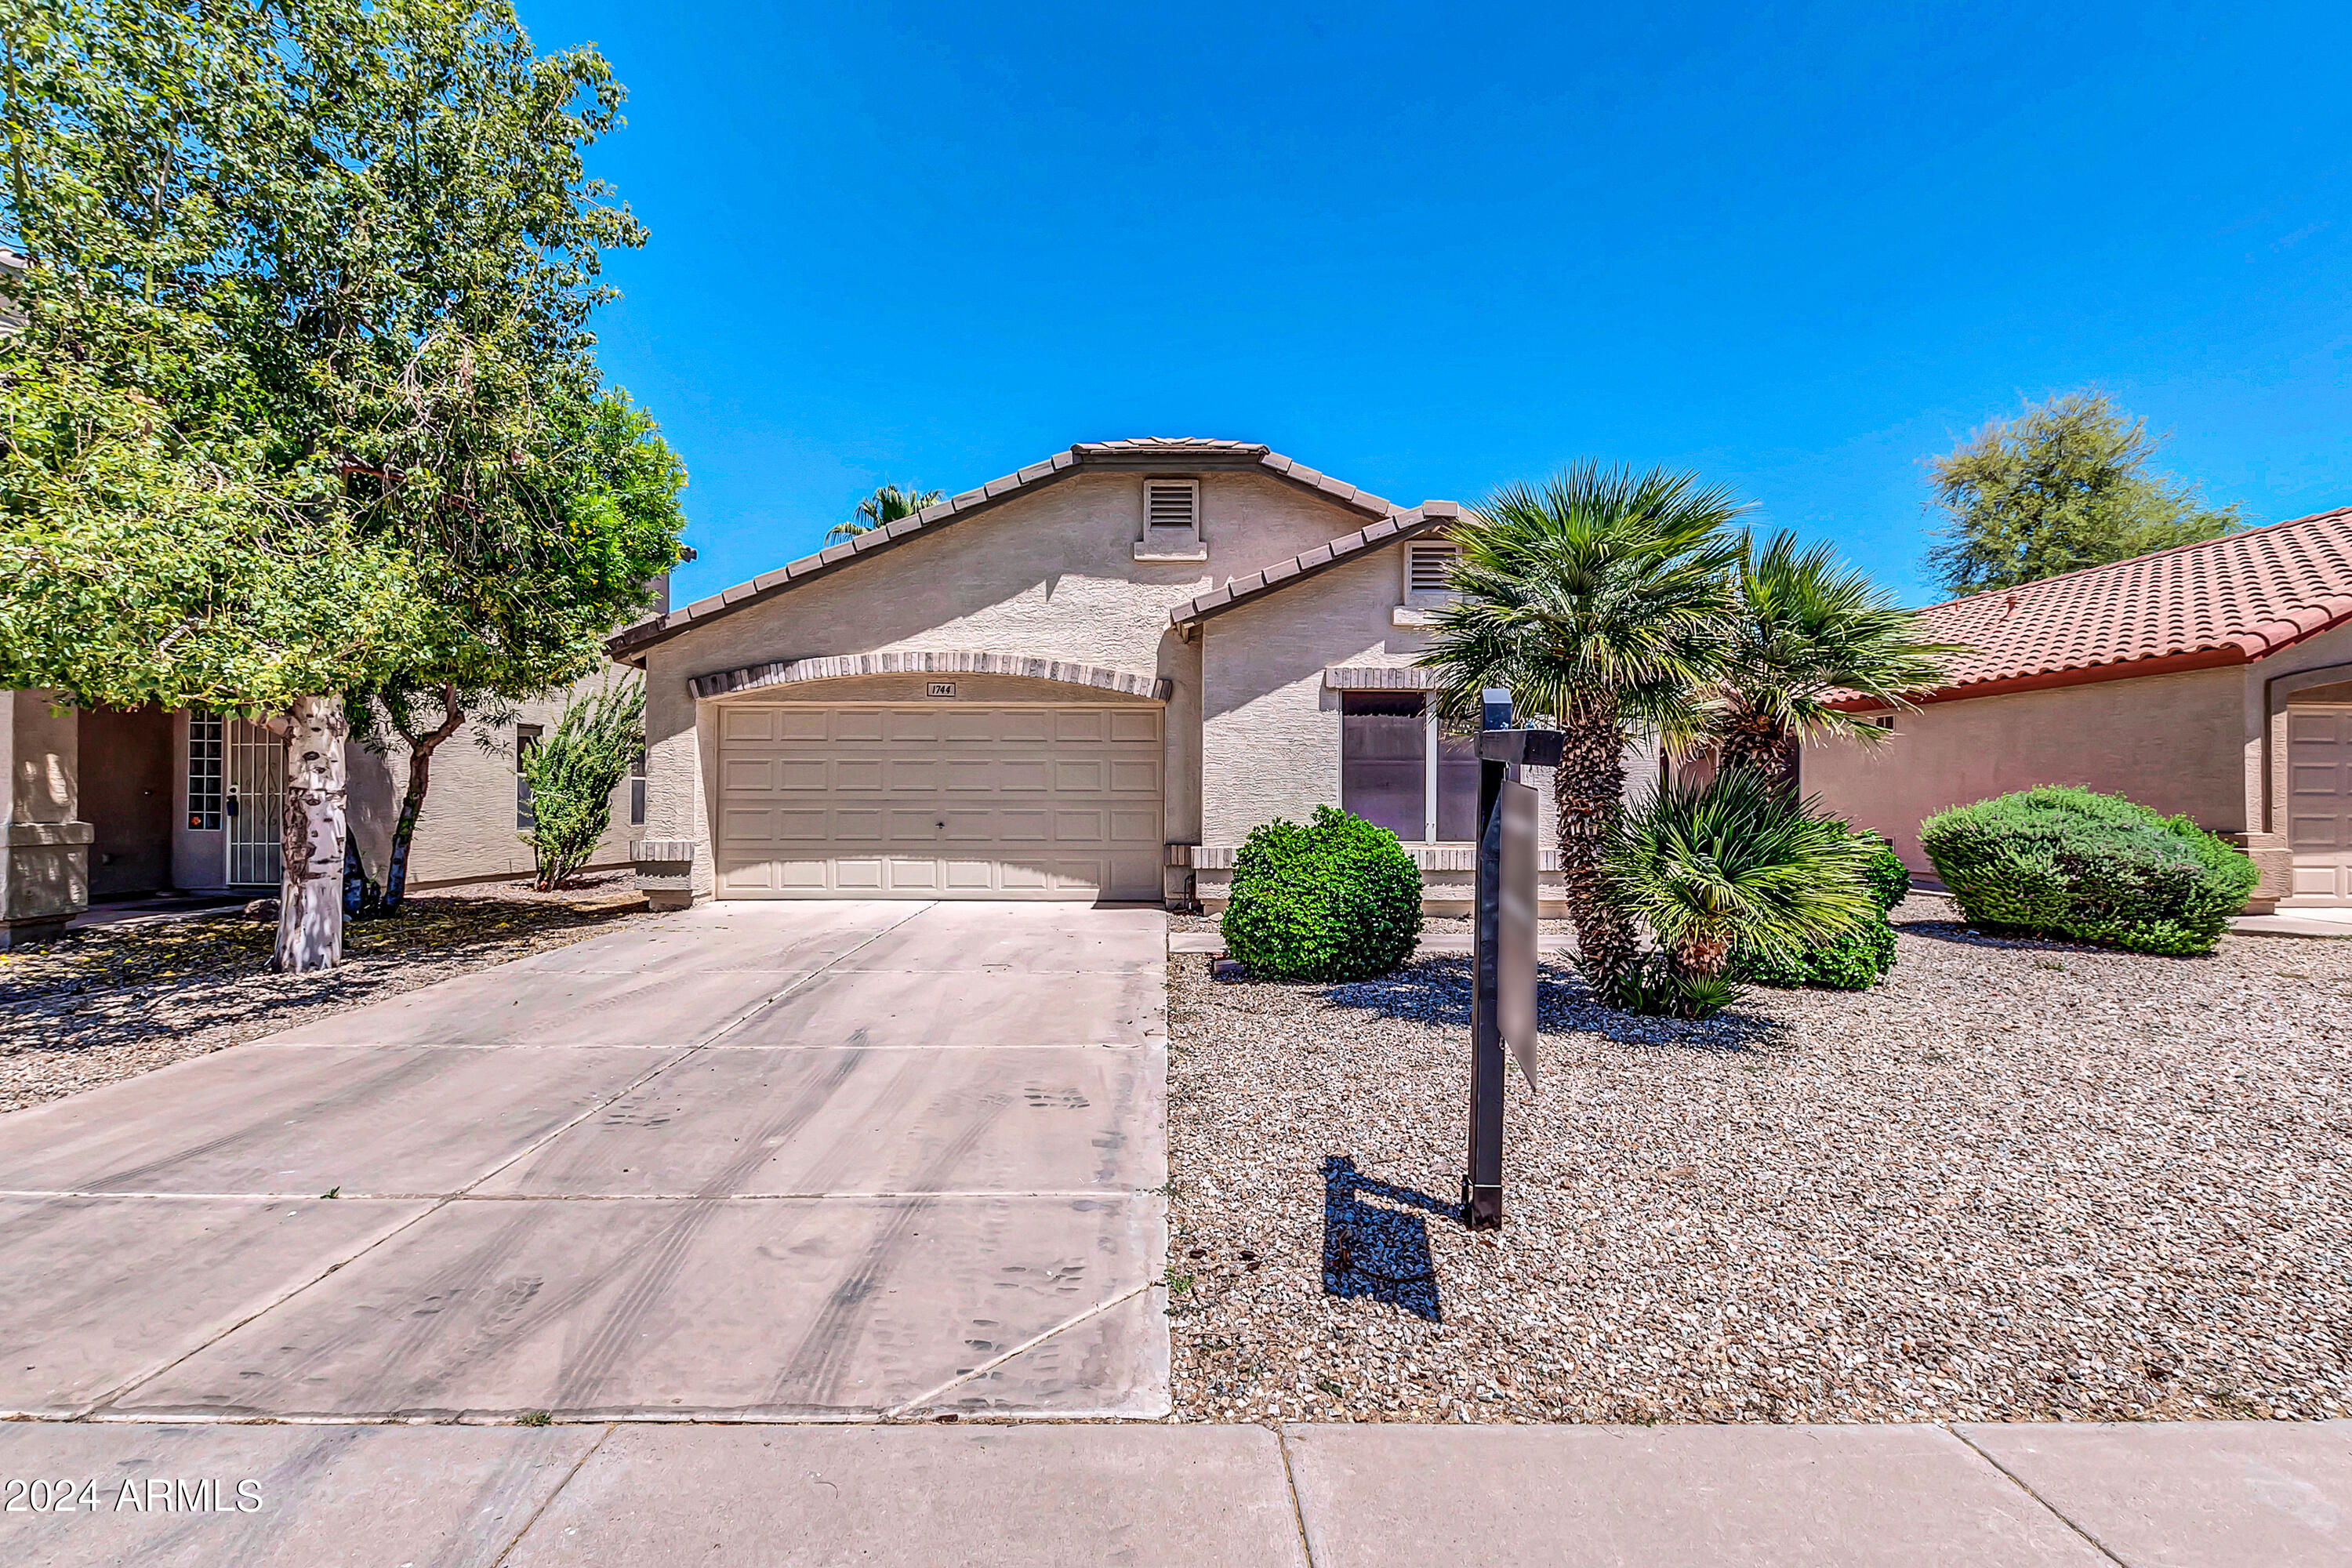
column 2069, row 862
column 573, row 773
column 1653, row 987
column 1733, row 863
column 1334, row 899
column 1889, row 877
column 1854, row 960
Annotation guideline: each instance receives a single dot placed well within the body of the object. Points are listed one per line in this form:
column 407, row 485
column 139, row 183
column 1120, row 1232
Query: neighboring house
column 1088, row 680
column 106, row 803
column 2213, row 680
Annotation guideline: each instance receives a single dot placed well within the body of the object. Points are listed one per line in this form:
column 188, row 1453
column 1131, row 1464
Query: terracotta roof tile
column 2230, row 599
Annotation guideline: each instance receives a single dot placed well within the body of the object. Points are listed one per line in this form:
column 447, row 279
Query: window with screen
column 1398, row 771
column 205, row 772
column 638, row 792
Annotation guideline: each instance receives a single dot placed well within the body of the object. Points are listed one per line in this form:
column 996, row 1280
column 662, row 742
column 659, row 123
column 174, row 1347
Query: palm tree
column 1807, row 635
column 1733, row 861
column 886, row 505
column 1601, row 601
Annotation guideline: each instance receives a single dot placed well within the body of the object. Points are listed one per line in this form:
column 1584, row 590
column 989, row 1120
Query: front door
column 256, row 806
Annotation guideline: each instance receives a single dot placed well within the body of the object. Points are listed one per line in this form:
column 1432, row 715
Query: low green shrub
column 1335, row 899
column 2069, row 862
column 1855, row 959
column 1652, row 987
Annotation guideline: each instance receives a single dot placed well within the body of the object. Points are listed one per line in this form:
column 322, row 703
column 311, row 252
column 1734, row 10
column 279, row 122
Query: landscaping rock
column 2017, row 1180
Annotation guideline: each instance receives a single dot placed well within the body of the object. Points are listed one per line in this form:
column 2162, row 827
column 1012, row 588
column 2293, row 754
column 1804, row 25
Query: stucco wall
column 467, row 830
column 2176, row 743
column 1051, row 574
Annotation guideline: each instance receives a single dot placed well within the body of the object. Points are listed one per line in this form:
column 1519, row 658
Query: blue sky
column 1431, row 249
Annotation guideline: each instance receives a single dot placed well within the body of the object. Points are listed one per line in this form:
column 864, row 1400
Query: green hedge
column 2072, row 863
column 1854, row 962
column 1336, row 898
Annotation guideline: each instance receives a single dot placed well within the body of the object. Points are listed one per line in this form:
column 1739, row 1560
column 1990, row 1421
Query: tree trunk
column 412, row 802
column 1588, row 789
column 1760, row 746
column 311, row 898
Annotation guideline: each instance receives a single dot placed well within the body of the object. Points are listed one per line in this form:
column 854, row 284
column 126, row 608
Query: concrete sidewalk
column 2218, row 1495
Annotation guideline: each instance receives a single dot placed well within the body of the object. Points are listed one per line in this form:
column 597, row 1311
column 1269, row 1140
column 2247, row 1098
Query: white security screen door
column 257, row 804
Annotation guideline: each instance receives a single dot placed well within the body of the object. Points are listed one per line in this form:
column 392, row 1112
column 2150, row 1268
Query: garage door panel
column 745, row 775
column 2319, row 804
column 747, row 723
column 951, row 800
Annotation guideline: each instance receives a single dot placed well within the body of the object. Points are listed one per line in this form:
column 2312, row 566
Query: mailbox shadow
column 1376, row 1251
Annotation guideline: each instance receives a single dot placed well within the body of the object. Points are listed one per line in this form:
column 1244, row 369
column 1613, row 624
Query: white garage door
column 2319, row 802
column 939, row 800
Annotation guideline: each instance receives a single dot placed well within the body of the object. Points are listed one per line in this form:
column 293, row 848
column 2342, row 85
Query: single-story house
column 1088, row 680
column 2211, row 680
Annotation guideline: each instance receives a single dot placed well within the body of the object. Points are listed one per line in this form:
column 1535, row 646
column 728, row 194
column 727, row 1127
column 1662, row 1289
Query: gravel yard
column 112, row 1002
column 2017, row 1180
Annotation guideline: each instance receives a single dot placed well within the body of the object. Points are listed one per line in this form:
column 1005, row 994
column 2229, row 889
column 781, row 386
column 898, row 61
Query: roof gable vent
column 1171, row 522
column 1429, row 570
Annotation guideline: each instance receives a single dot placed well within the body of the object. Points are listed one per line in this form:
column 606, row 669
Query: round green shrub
column 1890, row 879
column 2068, row 862
column 1335, row 899
column 1855, row 961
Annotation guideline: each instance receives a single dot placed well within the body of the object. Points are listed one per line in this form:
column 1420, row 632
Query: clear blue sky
column 1430, row 250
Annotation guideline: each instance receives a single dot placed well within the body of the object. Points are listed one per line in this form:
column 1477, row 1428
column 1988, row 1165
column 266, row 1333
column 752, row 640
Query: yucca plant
column 1733, row 861
column 1807, row 635
column 1602, row 602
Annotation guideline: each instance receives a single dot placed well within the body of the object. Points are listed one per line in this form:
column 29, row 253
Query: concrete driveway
column 791, row 1162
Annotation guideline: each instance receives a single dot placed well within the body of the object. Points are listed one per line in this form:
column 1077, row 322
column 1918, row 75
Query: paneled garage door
column 940, row 800
column 2319, row 802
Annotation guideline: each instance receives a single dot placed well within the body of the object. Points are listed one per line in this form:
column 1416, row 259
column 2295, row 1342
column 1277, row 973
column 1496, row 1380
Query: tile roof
column 2224, row 601
column 1193, row 452
column 1429, row 517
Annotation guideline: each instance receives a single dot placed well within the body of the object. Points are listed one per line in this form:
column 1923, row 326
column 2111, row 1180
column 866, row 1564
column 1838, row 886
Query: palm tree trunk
column 1760, row 746
column 1588, row 790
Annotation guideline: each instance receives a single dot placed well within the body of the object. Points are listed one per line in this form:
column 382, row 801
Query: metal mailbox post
column 1502, row 1005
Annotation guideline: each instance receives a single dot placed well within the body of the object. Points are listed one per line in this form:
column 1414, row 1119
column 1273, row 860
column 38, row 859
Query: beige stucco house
column 1088, row 680
column 2213, row 682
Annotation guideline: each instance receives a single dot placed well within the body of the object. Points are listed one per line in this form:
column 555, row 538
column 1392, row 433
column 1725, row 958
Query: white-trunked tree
column 304, row 401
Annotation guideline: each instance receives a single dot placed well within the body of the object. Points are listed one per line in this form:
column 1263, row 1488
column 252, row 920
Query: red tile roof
column 2225, row 601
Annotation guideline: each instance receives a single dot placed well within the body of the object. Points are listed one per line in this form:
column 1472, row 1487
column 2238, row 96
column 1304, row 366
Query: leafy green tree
column 886, row 505
column 620, row 521
column 1602, row 602
column 1807, row 634
column 2064, row 485
column 573, row 773
column 323, row 269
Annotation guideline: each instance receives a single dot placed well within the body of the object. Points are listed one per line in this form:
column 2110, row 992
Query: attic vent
column 1171, row 522
column 1172, row 504
column 1429, row 570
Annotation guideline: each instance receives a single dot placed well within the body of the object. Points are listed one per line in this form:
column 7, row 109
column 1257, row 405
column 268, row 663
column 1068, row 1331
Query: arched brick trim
column 952, row 661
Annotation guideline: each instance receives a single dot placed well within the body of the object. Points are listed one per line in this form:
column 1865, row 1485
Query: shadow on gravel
column 1437, row 991
column 1371, row 1250
column 1964, row 935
